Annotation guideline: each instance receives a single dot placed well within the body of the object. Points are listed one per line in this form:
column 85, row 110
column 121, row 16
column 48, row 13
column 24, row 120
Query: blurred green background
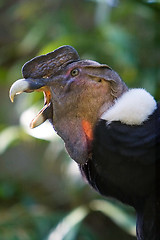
column 42, row 195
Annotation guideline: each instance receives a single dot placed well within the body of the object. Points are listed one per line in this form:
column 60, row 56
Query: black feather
column 126, row 165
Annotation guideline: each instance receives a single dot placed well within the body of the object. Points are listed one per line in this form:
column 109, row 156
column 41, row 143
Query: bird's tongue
column 46, row 112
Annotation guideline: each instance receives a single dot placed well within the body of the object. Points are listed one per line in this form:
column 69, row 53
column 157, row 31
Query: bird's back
column 125, row 159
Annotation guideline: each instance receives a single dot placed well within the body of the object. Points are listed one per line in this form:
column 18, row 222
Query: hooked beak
column 37, row 72
column 24, row 85
column 30, row 85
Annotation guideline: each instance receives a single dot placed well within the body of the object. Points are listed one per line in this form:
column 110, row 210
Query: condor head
column 76, row 93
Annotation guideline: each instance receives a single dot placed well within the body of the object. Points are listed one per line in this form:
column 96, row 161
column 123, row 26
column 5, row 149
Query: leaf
column 45, row 131
column 153, row 1
column 68, row 223
column 8, row 136
column 116, row 214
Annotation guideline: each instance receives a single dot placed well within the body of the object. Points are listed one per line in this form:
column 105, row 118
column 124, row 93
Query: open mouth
column 37, row 72
column 45, row 74
column 46, row 112
column 31, row 85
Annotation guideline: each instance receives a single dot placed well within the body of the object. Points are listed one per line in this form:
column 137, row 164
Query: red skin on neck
column 87, row 128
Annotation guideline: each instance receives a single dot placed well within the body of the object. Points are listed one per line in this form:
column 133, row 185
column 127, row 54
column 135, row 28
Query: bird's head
column 76, row 93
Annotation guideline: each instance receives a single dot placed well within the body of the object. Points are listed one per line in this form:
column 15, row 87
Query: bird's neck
column 148, row 220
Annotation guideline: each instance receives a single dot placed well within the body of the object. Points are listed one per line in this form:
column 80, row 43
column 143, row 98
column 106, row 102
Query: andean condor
column 112, row 132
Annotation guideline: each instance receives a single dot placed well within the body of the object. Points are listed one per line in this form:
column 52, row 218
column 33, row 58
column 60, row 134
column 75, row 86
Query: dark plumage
column 113, row 133
column 125, row 165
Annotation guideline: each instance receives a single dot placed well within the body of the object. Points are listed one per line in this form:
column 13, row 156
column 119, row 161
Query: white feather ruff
column 132, row 108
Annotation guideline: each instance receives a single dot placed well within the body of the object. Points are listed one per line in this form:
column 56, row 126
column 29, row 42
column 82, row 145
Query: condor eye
column 74, row 72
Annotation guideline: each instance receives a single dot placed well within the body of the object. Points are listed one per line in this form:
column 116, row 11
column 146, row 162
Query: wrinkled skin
column 76, row 93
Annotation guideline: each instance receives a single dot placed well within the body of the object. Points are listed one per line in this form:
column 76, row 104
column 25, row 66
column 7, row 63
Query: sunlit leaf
column 45, row 131
column 68, row 223
column 118, row 216
column 153, row 1
column 8, row 136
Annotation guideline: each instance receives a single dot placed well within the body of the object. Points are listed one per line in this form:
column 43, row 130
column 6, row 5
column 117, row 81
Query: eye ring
column 74, row 72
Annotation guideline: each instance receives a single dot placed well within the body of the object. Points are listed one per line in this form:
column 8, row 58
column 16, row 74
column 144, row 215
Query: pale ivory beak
column 30, row 85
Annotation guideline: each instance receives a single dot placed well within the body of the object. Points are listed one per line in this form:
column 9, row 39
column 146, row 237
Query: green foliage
column 41, row 190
